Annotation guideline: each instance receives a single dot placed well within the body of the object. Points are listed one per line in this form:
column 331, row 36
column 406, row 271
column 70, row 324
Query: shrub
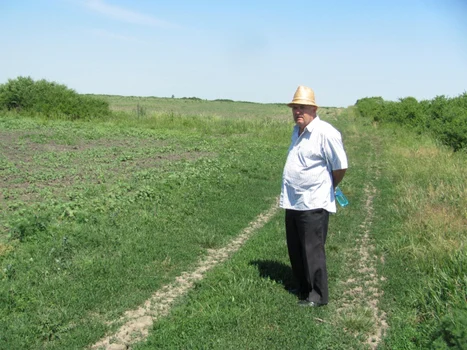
column 49, row 99
column 411, row 112
column 17, row 94
column 448, row 120
column 192, row 98
column 370, row 107
column 445, row 118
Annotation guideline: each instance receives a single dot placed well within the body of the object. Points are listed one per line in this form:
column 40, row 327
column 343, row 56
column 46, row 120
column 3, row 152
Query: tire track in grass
column 136, row 323
column 360, row 301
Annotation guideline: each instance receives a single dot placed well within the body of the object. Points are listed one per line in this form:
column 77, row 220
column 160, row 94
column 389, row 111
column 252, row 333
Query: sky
column 243, row 50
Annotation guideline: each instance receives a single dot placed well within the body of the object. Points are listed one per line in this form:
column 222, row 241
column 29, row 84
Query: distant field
column 99, row 216
column 187, row 106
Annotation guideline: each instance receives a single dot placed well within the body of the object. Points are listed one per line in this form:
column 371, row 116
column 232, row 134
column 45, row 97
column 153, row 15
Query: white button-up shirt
column 307, row 177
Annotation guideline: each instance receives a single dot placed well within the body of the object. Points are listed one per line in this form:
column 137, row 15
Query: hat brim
column 301, row 102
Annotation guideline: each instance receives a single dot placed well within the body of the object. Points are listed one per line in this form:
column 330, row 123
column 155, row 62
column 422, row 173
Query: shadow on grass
column 276, row 271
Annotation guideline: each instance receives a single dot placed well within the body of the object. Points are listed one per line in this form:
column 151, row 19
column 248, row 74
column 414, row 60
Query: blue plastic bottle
column 341, row 198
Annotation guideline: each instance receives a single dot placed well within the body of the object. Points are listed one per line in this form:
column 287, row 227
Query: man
column 315, row 165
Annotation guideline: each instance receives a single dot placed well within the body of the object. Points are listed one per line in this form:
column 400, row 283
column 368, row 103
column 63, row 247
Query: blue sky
column 257, row 51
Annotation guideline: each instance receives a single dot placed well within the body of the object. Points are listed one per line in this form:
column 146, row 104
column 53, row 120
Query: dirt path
column 136, row 323
column 361, row 298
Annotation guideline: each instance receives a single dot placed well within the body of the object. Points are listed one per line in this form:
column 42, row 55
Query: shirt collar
column 311, row 125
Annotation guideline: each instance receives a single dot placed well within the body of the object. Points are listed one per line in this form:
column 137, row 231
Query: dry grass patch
column 5, row 248
column 436, row 230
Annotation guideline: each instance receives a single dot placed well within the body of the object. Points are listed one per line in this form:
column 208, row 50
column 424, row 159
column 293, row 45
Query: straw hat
column 303, row 96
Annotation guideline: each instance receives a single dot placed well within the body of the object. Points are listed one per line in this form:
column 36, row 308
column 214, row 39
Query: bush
column 448, row 120
column 17, row 94
column 445, row 118
column 49, row 99
column 191, row 98
column 370, row 107
column 411, row 112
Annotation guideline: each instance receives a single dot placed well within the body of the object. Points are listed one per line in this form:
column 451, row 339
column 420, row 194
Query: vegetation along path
column 143, row 211
column 362, row 290
column 137, row 322
column 359, row 303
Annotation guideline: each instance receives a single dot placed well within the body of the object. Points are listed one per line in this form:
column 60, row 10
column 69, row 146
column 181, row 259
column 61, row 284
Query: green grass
column 244, row 304
column 97, row 216
column 422, row 231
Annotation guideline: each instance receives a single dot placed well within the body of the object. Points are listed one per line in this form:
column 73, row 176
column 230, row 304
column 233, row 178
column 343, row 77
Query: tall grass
column 423, row 232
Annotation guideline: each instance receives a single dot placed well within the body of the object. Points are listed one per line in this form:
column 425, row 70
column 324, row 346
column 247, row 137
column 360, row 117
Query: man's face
column 303, row 115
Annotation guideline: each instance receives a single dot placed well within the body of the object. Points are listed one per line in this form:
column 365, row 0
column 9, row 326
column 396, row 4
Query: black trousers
column 306, row 233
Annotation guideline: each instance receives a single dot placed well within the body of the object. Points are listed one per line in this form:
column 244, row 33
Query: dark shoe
column 293, row 290
column 308, row 303
column 299, row 293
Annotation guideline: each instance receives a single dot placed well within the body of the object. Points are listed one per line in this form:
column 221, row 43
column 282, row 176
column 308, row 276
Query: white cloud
column 126, row 15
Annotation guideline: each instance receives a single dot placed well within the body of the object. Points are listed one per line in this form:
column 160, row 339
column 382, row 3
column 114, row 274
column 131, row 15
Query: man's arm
column 337, row 176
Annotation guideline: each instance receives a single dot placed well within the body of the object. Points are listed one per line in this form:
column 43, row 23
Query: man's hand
column 337, row 176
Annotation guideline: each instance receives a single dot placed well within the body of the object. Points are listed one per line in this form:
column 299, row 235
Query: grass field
column 97, row 216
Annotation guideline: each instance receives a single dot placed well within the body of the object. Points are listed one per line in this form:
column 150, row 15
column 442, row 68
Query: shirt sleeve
column 334, row 150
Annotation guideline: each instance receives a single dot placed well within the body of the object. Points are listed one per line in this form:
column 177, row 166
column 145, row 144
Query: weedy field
column 99, row 216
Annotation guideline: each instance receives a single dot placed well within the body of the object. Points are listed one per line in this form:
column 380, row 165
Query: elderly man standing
column 315, row 165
